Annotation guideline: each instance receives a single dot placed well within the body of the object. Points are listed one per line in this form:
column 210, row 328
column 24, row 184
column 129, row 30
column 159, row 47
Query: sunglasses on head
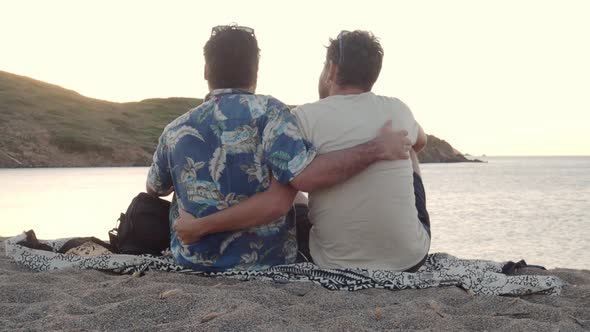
column 221, row 28
column 341, row 45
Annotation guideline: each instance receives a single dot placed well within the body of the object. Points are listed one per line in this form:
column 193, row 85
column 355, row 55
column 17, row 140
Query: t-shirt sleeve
column 285, row 149
column 410, row 123
column 303, row 123
column 159, row 177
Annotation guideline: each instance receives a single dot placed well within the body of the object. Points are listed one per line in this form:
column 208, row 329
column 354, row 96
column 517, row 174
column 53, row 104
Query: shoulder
column 184, row 118
column 394, row 104
column 266, row 101
column 391, row 101
column 262, row 102
column 272, row 101
column 274, row 106
column 315, row 108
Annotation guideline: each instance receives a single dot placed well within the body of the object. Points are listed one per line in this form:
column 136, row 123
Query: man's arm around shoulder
column 338, row 166
column 324, row 171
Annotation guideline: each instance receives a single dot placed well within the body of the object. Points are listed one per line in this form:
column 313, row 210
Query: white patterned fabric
column 477, row 276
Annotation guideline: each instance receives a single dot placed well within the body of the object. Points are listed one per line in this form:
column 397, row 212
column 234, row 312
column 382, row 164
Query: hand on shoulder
column 392, row 145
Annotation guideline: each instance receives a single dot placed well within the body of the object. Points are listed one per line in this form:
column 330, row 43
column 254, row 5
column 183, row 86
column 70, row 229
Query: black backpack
column 144, row 228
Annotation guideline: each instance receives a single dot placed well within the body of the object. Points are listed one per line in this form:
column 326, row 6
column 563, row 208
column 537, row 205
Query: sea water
column 510, row 208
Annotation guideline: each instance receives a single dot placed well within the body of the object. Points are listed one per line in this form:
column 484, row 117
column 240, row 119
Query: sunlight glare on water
column 65, row 202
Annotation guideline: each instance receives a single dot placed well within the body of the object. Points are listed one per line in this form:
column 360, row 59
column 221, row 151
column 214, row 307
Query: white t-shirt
column 369, row 221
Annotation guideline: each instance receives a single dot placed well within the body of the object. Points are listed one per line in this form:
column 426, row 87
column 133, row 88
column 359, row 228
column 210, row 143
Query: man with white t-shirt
column 371, row 220
column 376, row 219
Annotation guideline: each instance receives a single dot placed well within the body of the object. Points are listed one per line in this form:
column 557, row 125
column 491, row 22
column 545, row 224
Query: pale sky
column 490, row 77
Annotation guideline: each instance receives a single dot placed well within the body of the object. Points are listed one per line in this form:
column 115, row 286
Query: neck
column 345, row 90
column 247, row 89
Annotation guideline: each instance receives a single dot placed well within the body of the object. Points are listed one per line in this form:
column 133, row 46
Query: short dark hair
column 361, row 59
column 232, row 57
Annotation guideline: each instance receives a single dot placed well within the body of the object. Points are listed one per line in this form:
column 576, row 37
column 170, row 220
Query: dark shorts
column 300, row 212
column 420, row 195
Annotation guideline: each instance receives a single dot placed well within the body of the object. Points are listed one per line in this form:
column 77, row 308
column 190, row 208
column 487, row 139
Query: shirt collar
column 219, row 92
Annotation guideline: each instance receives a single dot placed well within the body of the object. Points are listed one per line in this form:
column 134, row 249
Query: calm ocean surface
column 532, row 208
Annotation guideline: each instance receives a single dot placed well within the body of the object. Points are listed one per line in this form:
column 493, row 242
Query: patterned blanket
column 475, row 276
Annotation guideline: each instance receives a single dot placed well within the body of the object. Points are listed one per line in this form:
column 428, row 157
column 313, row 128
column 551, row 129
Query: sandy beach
column 76, row 300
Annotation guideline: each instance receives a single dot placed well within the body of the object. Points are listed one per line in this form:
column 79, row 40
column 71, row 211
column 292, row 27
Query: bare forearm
column 257, row 210
column 338, row 166
column 335, row 167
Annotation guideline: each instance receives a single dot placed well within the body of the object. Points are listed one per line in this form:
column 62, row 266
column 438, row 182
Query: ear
column 332, row 72
column 206, row 72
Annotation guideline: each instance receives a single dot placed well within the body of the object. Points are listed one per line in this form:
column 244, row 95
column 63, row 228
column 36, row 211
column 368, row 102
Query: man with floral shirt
column 237, row 144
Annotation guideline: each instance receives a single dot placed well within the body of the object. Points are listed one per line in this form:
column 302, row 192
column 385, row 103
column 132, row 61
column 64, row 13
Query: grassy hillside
column 45, row 125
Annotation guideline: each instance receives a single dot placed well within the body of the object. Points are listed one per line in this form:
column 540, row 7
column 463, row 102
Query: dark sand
column 75, row 300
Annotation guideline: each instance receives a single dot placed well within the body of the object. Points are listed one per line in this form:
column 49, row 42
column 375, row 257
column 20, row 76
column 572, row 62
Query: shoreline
column 135, row 165
column 140, row 166
column 93, row 300
column 131, row 165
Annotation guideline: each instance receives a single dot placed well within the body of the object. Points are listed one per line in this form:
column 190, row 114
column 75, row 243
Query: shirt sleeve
column 159, row 177
column 303, row 123
column 411, row 125
column 286, row 151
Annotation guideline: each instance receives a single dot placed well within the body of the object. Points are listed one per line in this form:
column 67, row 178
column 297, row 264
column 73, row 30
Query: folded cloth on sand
column 476, row 276
column 79, row 246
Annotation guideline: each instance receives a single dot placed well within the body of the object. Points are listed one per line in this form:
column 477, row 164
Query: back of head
column 359, row 56
column 231, row 57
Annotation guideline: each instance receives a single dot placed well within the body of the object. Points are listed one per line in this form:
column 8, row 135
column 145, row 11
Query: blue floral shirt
column 220, row 153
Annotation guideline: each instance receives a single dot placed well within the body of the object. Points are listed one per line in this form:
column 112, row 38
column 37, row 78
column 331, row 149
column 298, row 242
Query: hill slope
column 44, row 125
